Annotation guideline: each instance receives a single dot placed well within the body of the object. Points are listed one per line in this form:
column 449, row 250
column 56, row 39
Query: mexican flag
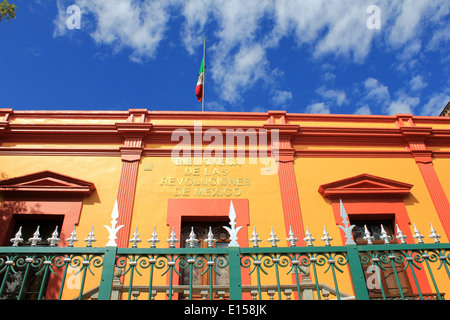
column 200, row 81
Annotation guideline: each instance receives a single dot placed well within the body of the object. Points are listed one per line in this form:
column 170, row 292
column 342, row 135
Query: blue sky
column 294, row 55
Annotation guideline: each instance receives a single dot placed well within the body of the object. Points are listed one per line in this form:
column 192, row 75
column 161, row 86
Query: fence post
column 356, row 273
column 234, row 260
column 106, row 282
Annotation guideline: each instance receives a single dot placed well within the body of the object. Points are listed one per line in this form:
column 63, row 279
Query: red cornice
column 133, row 128
column 45, row 151
column 257, row 116
column 295, row 140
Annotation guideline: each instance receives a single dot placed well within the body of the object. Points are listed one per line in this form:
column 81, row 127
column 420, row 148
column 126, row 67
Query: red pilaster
column 284, row 153
column 416, row 136
column 131, row 151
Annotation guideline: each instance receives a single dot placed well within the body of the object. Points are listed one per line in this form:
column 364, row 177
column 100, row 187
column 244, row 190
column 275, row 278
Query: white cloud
column 318, row 107
column 259, row 109
column 403, row 104
column 337, row 97
column 363, row 110
column 329, row 76
column 239, row 72
column 436, row 103
column 440, row 39
column 417, row 83
column 397, row 107
column 376, row 91
column 282, row 98
column 126, row 24
column 244, row 30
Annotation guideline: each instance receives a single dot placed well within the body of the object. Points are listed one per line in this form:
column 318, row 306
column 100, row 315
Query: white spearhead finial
column 172, row 238
column 17, row 238
column 192, row 239
column 326, row 237
column 210, row 239
column 347, row 227
column 417, row 235
column 400, row 235
column 434, row 235
column 367, row 236
column 255, row 238
column 135, row 240
column 384, row 235
column 113, row 229
column 309, row 239
column 233, row 230
column 54, row 239
column 36, row 238
column 292, row 239
column 73, row 237
column 273, row 238
column 154, row 239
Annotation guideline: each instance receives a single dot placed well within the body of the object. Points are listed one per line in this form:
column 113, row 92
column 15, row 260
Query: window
column 371, row 200
column 381, row 276
column 201, row 230
column 33, row 281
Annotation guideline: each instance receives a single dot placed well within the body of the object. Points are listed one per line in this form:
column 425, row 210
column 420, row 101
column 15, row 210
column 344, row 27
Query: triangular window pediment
column 365, row 184
column 47, row 181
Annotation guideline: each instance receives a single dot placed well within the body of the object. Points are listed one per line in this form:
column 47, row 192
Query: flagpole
column 204, row 74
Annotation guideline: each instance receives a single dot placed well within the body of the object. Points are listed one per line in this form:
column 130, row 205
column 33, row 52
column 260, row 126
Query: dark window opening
column 199, row 276
column 380, row 276
column 20, row 282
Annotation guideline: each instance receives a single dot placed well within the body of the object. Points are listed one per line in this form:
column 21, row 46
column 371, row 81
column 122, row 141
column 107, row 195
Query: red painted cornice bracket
column 285, row 129
column 130, row 154
column 416, row 139
column 3, row 126
column 284, row 151
column 422, row 156
column 5, row 113
column 276, row 114
column 133, row 128
column 134, row 133
column 416, row 132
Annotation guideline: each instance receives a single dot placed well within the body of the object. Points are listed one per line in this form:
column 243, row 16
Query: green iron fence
column 359, row 272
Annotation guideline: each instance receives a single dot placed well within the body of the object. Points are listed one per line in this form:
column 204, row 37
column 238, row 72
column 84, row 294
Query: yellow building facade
column 283, row 174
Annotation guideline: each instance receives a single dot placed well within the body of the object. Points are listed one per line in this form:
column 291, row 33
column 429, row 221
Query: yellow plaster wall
column 153, row 191
column 104, row 172
column 317, row 211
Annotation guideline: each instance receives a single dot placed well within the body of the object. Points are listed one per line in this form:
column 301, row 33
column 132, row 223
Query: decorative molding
column 139, row 129
column 131, row 154
column 422, row 156
column 365, row 185
column 43, row 193
column 47, row 182
column 284, row 150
